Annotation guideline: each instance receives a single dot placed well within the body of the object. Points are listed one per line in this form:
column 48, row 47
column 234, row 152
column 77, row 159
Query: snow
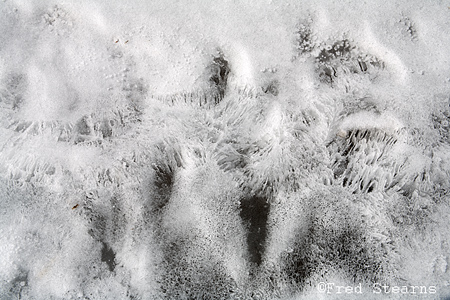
column 200, row 150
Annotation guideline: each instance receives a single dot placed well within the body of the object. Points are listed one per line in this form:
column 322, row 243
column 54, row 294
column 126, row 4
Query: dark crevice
column 219, row 77
column 108, row 256
column 254, row 212
column 216, row 73
column 163, row 182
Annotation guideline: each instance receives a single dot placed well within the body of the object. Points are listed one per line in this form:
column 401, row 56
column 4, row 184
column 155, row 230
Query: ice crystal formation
column 169, row 150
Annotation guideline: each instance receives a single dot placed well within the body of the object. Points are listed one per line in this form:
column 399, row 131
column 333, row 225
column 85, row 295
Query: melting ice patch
column 223, row 151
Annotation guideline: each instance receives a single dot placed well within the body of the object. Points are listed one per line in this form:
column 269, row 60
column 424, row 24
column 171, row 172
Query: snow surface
column 223, row 150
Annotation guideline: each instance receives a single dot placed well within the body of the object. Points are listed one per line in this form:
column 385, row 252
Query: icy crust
column 252, row 152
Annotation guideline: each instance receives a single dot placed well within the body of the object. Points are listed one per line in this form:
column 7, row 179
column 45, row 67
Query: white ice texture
column 223, row 149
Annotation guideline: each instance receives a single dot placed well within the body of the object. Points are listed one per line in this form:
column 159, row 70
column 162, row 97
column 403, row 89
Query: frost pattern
column 249, row 153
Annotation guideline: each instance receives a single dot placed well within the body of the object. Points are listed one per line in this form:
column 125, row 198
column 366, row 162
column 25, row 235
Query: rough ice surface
column 224, row 150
